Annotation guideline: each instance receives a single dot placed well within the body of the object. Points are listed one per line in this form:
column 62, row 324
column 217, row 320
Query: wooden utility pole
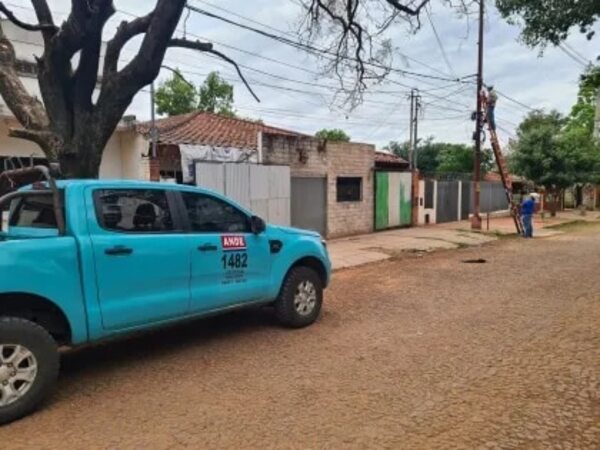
column 476, row 218
column 416, row 131
column 411, row 143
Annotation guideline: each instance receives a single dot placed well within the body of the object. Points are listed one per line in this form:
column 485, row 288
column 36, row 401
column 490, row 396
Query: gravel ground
column 415, row 353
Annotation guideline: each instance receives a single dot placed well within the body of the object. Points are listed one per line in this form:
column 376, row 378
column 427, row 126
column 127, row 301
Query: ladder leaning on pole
column 506, row 179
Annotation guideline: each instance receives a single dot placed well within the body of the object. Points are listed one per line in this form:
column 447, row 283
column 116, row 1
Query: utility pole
column 476, row 219
column 411, row 146
column 416, row 130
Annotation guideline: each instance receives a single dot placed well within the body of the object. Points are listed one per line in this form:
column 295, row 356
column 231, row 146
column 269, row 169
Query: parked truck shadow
column 146, row 347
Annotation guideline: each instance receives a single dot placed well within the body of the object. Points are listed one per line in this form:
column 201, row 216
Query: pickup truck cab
column 86, row 260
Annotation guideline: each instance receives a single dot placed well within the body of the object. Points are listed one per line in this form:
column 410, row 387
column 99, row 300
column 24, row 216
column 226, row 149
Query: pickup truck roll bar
column 12, row 180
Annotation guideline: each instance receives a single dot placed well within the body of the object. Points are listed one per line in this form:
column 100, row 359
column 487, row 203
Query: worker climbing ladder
column 504, row 175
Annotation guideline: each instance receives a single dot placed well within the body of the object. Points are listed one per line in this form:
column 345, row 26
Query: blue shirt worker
column 527, row 210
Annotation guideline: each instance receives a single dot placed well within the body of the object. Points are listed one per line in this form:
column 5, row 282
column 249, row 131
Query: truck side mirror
column 257, row 225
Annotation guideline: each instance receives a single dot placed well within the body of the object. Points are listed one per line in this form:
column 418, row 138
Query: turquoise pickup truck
column 83, row 261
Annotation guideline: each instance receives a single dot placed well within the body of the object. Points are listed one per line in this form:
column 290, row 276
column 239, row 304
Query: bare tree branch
column 26, row 26
column 27, row 109
column 177, row 73
column 237, row 68
column 192, row 45
column 349, row 36
column 125, row 32
column 47, row 140
column 44, row 15
column 207, row 47
column 86, row 75
column 406, row 9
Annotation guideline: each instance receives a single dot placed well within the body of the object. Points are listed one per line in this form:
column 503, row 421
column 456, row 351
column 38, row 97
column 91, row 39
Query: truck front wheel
column 299, row 302
column 29, row 363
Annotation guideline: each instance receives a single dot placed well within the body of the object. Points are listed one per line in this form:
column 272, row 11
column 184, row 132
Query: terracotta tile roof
column 495, row 176
column 200, row 128
column 389, row 159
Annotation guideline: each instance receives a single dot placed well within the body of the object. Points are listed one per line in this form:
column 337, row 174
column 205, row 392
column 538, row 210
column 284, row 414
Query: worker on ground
column 527, row 210
column 491, row 99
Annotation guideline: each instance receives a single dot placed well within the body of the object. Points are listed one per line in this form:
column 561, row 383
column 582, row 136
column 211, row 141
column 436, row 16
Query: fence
column 265, row 190
column 449, row 201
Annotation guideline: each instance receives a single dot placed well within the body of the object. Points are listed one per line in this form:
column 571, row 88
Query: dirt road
column 416, row 353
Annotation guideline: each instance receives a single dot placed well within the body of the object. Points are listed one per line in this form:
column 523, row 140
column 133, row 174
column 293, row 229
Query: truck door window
column 133, row 210
column 209, row 214
column 33, row 211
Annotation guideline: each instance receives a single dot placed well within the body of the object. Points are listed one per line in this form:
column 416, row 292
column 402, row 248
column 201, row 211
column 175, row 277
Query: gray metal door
column 309, row 204
column 493, row 197
column 447, row 201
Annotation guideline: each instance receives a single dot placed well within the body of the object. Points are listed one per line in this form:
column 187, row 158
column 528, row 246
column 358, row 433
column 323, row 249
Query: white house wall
column 122, row 158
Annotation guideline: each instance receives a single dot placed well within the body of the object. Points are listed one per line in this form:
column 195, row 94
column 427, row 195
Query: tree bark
column 70, row 127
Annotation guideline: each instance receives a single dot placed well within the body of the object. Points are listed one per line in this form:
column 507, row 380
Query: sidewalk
column 369, row 248
column 543, row 227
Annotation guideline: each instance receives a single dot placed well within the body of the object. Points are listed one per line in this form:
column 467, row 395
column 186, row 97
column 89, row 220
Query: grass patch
column 576, row 225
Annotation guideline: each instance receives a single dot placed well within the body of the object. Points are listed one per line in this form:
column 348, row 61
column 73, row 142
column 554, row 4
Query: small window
column 349, row 189
column 211, row 215
column 133, row 210
column 33, row 211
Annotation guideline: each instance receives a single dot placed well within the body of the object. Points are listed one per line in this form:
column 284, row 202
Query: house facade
column 331, row 182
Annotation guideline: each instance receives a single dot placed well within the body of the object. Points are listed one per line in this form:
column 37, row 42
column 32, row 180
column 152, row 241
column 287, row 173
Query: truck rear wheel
column 299, row 302
column 29, row 363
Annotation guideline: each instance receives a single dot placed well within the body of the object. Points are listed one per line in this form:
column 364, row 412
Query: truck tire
column 29, row 363
column 300, row 299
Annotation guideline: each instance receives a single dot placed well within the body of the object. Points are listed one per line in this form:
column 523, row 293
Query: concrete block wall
column 350, row 160
column 310, row 157
column 306, row 157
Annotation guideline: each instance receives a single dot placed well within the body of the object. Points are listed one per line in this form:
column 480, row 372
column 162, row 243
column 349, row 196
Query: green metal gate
column 393, row 206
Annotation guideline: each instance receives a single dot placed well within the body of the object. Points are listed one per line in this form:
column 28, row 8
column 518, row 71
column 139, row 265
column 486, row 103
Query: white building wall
column 123, row 157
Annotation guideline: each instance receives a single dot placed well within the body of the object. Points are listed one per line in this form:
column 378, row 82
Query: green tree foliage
column 458, row 158
column 550, row 21
column 334, row 134
column 427, row 160
column 554, row 152
column 176, row 96
column 443, row 157
column 216, row 96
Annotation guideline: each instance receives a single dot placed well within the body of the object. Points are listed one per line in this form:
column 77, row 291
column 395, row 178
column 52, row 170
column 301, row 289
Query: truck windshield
column 33, row 211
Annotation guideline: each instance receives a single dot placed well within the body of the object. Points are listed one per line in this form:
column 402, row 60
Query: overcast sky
column 539, row 82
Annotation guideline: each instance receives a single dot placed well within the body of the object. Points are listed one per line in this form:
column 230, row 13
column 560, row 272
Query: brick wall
column 309, row 157
column 306, row 157
column 350, row 160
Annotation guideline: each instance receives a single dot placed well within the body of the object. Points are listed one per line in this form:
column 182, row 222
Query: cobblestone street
column 417, row 352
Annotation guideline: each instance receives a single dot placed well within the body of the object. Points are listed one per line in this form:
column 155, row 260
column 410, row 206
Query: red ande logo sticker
column 233, row 242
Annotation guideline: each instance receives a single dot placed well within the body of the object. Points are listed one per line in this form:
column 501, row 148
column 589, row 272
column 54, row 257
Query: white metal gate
column 265, row 190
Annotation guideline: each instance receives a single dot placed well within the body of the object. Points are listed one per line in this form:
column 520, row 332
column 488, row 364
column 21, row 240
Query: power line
column 516, row 102
column 286, row 64
column 315, row 50
column 439, row 42
column 573, row 56
column 576, row 53
column 278, row 30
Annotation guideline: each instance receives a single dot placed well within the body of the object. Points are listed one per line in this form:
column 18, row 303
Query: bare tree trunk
column 72, row 126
